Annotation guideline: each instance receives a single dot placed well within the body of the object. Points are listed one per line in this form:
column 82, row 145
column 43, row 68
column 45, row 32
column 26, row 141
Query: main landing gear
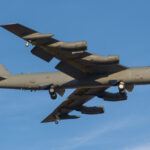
column 57, row 118
column 121, row 87
column 56, row 122
column 27, row 44
column 52, row 92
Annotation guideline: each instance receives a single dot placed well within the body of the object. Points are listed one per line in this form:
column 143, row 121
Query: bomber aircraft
column 89, row 74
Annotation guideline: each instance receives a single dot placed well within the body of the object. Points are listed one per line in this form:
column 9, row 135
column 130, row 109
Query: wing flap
column 76, row 58
column 70, row 70
column 39, row 52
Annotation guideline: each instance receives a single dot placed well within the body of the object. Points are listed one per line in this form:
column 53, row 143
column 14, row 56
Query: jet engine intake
column 91, row 110
column 108, row 96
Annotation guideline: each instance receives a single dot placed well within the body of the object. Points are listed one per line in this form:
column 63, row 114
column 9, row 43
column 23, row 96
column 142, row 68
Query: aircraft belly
column 139, row 76
column 131, row 76
column 60, row 80
column 34, row 81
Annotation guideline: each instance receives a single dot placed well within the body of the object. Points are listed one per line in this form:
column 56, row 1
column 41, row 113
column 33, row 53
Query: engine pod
column 69, row 46
column 98, row 59
column 91, row 110
column 108, row 96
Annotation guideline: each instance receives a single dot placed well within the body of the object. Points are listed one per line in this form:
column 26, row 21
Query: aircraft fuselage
column 39, row 81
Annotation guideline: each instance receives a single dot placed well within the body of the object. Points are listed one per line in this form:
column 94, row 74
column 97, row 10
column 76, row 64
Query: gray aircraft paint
column 136, row 76
column 89, row 74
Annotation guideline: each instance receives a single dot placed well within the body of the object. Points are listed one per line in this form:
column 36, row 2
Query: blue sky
column 110, row 27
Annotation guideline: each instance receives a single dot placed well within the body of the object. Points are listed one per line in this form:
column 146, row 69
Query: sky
column 110, row 27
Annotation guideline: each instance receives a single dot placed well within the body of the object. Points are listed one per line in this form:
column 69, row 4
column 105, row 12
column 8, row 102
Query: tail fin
column 3, row 72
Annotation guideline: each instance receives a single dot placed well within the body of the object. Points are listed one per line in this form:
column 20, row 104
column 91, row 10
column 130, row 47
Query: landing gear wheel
column 54, row 96
column 56, row 122
column 121, row 87
column 27, row 44
column 52, row 92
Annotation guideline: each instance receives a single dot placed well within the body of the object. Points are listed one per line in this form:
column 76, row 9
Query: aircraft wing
column 74, row 60
column 74, row 102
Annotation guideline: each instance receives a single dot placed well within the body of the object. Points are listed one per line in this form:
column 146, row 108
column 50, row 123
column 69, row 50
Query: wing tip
column 46, row 121
column 43, row 121
column 9, row 24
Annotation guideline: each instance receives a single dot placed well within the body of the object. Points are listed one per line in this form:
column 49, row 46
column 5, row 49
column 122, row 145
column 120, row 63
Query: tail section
column 3, row 72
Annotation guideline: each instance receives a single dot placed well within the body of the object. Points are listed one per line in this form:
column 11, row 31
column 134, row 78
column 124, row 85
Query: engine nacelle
column 108, row 96
column 70, row 46
column 91, row 110
column 114, row 59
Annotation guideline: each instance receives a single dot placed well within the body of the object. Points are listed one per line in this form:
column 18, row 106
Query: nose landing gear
column 52, row 92
column 121, row 87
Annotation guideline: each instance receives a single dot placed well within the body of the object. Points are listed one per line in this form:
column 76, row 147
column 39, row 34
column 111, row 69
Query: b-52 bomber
column 89, row 74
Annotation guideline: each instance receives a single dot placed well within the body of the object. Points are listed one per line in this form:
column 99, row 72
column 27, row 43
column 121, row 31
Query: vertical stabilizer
column 3, row 70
